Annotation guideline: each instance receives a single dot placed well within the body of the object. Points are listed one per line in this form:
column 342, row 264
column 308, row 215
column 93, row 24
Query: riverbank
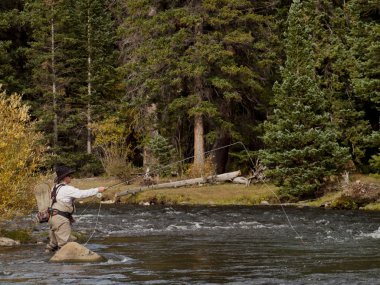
column 205, row 194
column 346, row 198
column 228, row 194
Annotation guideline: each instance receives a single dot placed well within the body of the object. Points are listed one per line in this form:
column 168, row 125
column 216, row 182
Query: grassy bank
column 223, row 194
column 216, row 194
column 330, row 198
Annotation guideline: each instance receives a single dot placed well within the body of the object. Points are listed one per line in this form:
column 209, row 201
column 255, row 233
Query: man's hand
column 101, row 189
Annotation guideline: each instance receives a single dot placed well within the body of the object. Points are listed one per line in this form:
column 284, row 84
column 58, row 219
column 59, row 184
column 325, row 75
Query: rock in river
column 8, row 242
column 74, row 252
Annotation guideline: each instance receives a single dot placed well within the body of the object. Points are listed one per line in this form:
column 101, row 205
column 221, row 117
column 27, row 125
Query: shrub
column 375, row 163
column 344, row 203
column 114, row 151
column 164, row 154
column 208, row 169
column 21, row 235
column 20, row 155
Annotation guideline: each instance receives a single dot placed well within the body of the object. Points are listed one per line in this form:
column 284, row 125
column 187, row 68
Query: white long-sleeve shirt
column 68, row 193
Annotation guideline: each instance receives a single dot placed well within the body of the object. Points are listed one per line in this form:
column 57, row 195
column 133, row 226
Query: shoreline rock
column 4, row 241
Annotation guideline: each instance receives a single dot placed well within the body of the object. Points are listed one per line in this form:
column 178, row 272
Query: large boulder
column 74, row 252
column 8, row 242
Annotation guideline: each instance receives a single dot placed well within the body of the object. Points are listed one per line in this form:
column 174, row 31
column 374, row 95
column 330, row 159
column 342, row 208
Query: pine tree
column 164, row 152
column 301, row 142
column 204, row 63
column 47, row 63
column 364, row 39
column 14, row 34
column 94, row 59
column 72, row 56
column 333, row 59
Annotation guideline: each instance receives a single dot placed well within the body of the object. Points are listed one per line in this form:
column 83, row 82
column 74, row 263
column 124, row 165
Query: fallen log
column 241, row 180
column 210, row 179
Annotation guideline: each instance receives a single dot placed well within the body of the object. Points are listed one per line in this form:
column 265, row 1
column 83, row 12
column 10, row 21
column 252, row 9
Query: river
column 211, row 245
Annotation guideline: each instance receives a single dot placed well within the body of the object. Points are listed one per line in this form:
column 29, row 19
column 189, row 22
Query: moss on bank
column 21, row 235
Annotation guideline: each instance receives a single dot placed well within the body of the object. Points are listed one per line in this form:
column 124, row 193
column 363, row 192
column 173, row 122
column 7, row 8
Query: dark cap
column 62, row 172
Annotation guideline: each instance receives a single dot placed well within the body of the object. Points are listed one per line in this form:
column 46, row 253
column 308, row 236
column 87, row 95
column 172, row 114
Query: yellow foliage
column 208, row 169
column 110, row 138
column 20, row 154
column 108, row 132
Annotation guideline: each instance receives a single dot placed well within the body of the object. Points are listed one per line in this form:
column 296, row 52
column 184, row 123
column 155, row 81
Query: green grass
column 372, row 207
column 207, row 194
column 221, row 194
column 210, row 194
column 366, row 178
column 327, row 198
column 21, row 235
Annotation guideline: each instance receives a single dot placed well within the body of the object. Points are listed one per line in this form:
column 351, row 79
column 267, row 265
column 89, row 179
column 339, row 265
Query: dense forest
column 116, row 85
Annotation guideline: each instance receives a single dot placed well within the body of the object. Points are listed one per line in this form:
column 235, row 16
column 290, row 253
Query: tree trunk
column 89, row 78
column 54, row 84
column 199, row 149
column 148, row 157
column 221, row 155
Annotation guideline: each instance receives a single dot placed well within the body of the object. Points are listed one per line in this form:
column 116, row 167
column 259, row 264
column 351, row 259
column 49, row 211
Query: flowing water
column 211, row 245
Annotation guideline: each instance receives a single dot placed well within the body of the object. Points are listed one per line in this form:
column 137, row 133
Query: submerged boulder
column 8, row 242
column 74, row 252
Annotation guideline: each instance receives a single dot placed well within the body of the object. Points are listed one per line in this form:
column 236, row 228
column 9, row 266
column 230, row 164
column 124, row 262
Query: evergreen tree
column 164, row 153
column 46, row 60
column 331, row 49
column 203, row 63
column 92, row 61
column 364, row 39
column 73, row 59
column 301, row 141
column 14, row 34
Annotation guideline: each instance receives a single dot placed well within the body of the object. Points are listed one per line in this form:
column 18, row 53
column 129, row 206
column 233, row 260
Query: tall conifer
column 364, row 39
column 72, row 56
column 301, row 142
column 14, row 34
column 92, row 61
column 333, row 62
column 46, row 60
column 205, row 65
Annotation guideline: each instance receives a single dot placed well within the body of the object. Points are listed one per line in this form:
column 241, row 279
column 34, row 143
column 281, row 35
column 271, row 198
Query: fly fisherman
column 63, row 196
